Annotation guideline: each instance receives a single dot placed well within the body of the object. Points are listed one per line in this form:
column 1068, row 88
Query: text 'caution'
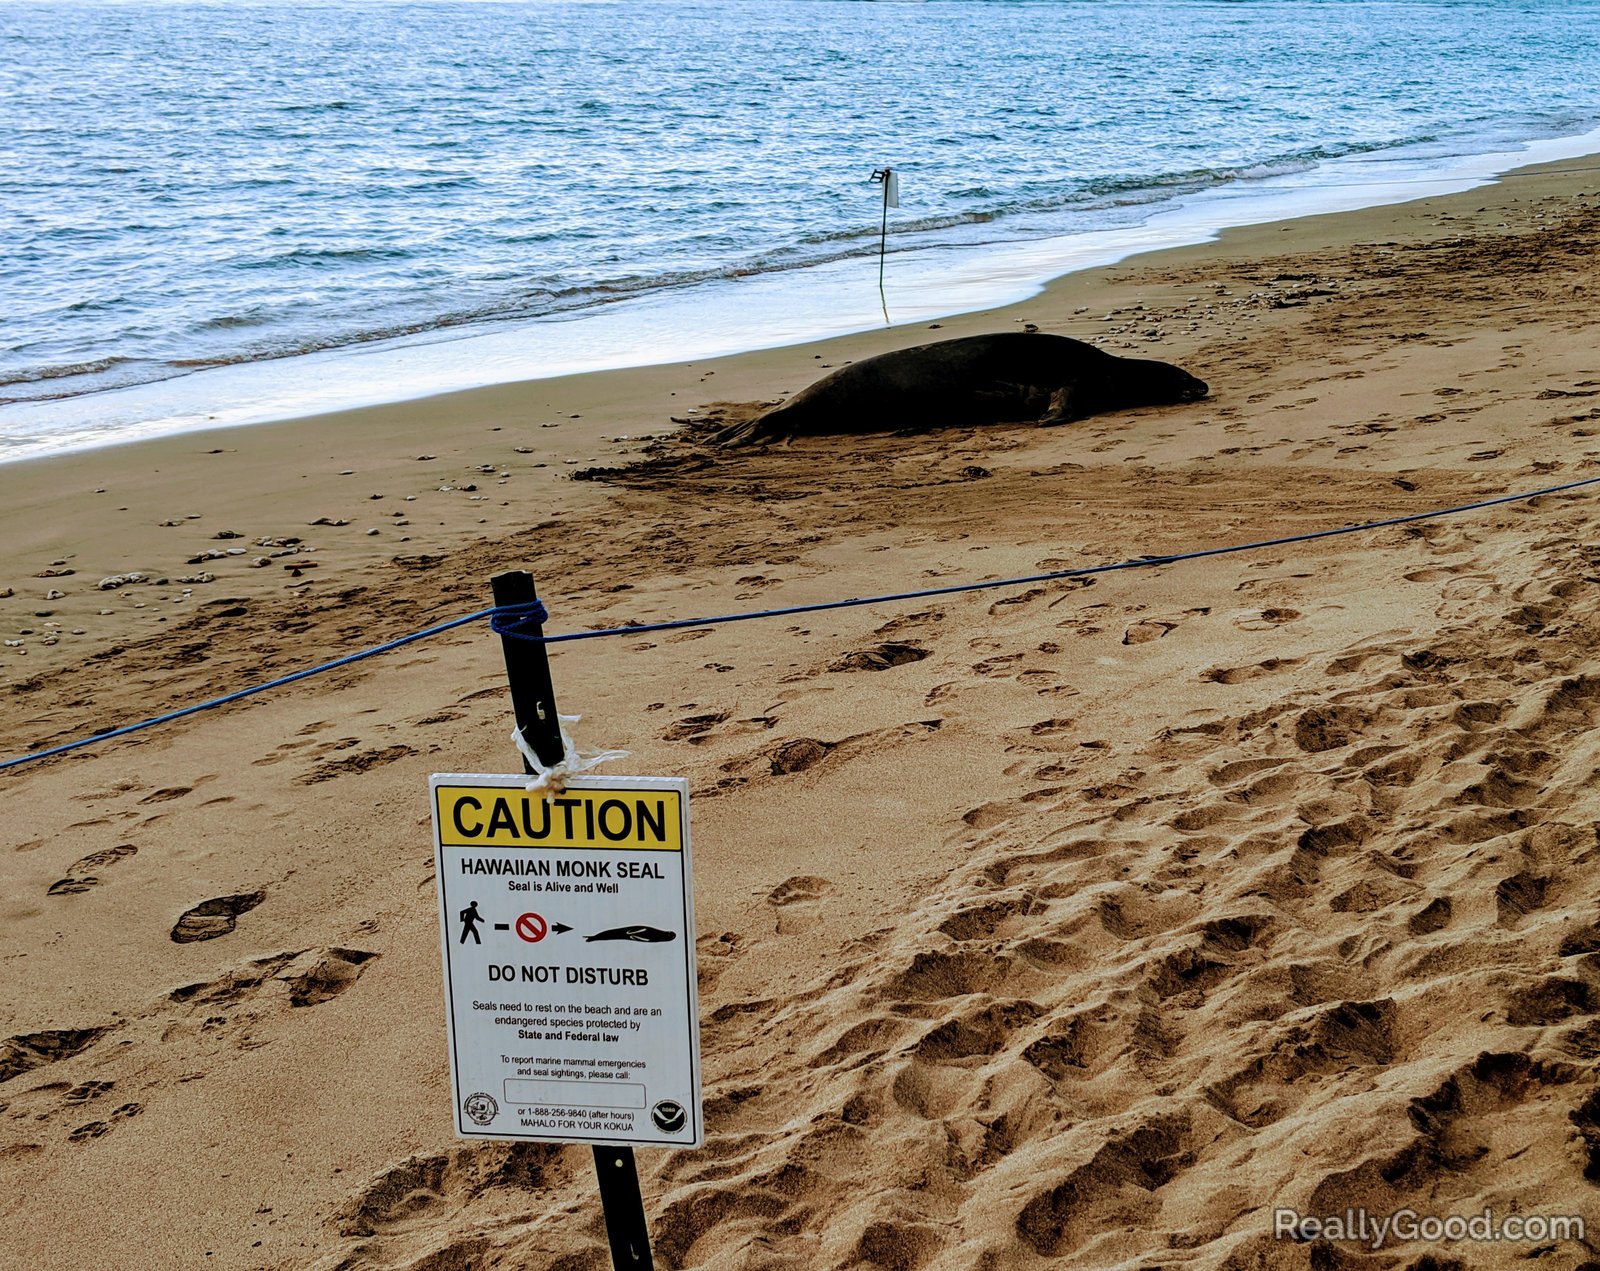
column 472, row 816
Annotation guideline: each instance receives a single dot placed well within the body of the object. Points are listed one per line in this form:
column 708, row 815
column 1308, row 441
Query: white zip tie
column 553, row 779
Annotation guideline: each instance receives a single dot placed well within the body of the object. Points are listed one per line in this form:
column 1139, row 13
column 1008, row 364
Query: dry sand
column 1077, row 925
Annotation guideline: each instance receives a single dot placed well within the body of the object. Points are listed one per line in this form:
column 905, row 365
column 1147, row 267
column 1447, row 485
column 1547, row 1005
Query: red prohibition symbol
column 532, row 928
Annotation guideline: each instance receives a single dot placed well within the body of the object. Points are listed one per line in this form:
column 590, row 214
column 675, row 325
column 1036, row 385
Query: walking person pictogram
column 470, row 918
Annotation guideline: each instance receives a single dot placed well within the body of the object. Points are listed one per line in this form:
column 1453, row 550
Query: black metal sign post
column 533, row 701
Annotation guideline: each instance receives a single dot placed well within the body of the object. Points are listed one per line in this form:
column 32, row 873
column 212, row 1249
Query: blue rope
column 246, row 692
column 507, row 619
column 511, row 620
column 511, row 628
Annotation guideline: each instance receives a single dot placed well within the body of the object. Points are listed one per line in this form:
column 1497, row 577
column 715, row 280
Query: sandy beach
column 1083, row 924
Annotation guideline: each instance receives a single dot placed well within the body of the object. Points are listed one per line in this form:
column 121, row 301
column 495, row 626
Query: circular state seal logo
column 481, row 1107
column 669, row 1116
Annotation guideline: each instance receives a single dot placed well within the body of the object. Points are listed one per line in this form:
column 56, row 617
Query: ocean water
column 230, row 211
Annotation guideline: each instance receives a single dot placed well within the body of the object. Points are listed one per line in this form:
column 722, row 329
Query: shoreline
column 378, row 471
column 1204, row 876
column 789, row 307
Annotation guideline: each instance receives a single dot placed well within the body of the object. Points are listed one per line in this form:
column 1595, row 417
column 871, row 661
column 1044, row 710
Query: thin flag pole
column 891, row 198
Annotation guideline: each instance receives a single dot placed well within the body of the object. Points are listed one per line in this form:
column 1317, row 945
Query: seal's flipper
column 1008, row 400
column 1064, row 406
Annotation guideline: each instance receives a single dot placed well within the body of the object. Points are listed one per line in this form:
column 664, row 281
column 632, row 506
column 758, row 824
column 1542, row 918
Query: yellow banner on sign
column 501, row 816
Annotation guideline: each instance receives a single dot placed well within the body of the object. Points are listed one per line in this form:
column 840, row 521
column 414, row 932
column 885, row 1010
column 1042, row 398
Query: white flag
column 891, row 189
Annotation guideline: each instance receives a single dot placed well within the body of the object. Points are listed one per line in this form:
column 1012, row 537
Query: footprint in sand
column 1241, row 769
column 1434, row 573
column 1464, row 1117
column 797, row 890
column 94, row 1129
column 320, row 975
column 1265, row 619
column 87, row 1092
column 798, row 755
column 331, row 768
column 212, row 918
column 1064, row 1053
column 1051, row 1223
column 880, row 657
column 896, row 625
column 1046, row 683
column 1324, row 728
column 1518, row 896
column 983, row 1030
column 313, row 976
column 81, row 876
column 162, row 796
column 1007, row 602
column 27, row 1051
column 1146, row 631
column 1239, row 674
column 715, row 955
column 801, row 890
column 1547, row 1000
column 288, row 750
column 1352, row 662
column 1369, row 895
column 397, row 1196
column 692, row 728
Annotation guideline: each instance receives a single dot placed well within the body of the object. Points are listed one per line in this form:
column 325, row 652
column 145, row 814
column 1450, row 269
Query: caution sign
column 567, row 925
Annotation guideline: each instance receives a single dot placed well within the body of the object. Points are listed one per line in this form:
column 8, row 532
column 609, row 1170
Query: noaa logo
column 481, row 1107
column 669, row 1116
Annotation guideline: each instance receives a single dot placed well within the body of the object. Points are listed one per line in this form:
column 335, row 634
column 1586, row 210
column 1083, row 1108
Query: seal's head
column 1151, row 383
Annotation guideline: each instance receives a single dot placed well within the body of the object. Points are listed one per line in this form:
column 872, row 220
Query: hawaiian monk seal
column 977, row 379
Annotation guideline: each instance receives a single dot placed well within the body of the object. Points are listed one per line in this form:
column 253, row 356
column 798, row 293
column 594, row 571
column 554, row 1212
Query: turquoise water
column 186, row 186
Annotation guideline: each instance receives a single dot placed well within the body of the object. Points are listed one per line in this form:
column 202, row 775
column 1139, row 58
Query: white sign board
column 567, row 924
